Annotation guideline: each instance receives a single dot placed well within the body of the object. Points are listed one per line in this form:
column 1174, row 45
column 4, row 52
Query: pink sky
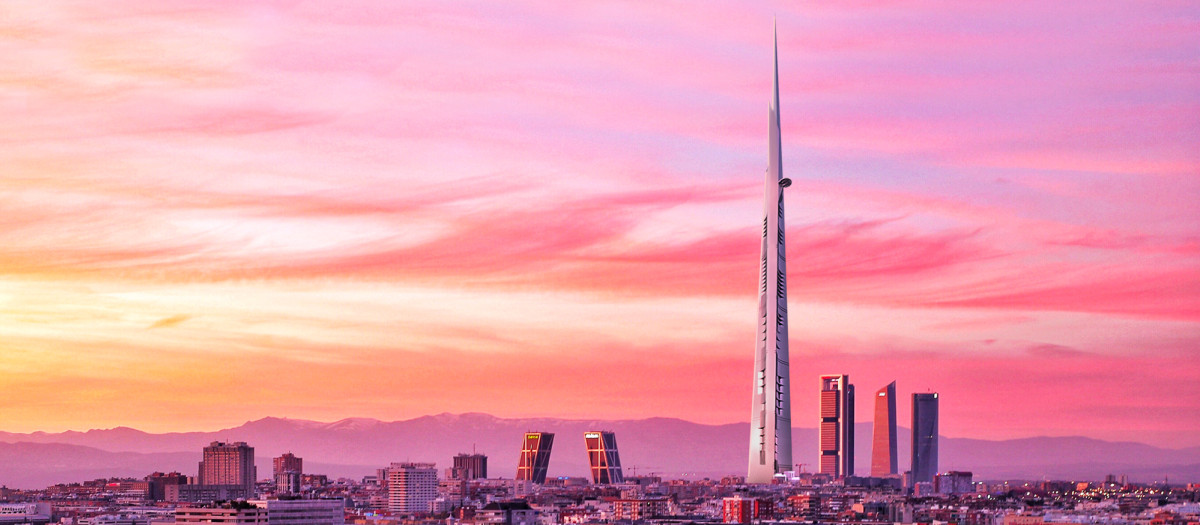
column 213, row 213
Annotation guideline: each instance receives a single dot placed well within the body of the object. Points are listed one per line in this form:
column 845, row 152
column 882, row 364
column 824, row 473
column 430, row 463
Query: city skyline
column 256, row 210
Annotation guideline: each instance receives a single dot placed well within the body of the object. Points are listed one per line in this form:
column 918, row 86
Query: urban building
column 453, row 490
column 303, row 511
column 953, row 482
column 516, row 512
column 739, row 509
column 1020, row 519
column 469, row 466
column 771, row 399
column 804, row 506
column 228, row 464
column 924, row 437
column 837, row 426
column 288, row 482
column 883, row 441
column 206, row 493
column 158, row 484
column 441, row 505
column 603, row 459
column 640, row 508
column 224, row 515
column 567, row 482
column 314, row 480
column 25, row 513
column 535, row 457
column 288, row 462
column 287, row 471
column 411, row 487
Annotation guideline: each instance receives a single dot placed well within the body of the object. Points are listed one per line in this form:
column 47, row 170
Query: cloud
column 170, row 321
column 1054, row 351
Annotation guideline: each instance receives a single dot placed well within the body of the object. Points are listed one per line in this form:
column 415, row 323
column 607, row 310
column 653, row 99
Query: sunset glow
column 214, row 212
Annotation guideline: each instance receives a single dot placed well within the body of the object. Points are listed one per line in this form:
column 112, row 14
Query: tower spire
column 771, row 406
column 775, row 75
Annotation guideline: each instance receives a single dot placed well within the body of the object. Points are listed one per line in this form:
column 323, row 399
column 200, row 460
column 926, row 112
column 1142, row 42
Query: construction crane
column 633, row 469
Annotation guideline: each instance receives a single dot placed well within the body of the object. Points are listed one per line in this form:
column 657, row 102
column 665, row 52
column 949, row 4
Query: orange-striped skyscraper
column 837, row 426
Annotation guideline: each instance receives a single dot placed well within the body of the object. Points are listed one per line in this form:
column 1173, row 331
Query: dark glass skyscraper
column 837, row 426
column 883, row 443
column 535, row 456
column 603, row 458
column 924, row 437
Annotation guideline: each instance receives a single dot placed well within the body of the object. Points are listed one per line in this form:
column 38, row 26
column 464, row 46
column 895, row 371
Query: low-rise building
column 205, row 493
column 744, row 510
column 303, row 511
column 25, row 513
column 641, row 508
column 225, row 515
column 516, row 512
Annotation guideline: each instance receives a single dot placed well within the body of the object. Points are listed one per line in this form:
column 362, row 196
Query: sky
column 213, row 212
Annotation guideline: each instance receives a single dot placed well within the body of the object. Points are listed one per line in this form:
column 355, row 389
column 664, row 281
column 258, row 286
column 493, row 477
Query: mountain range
column 671, row 447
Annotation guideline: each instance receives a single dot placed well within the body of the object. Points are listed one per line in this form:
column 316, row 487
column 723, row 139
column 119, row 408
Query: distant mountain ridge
column 673, row 447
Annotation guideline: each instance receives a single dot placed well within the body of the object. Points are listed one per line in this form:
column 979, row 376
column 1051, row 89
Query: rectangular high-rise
column 411, row 486
column 228, row 464
column 288, row 462
column 470, row 466
column 771, row 398
column 837, row 426
column 603, row 459
column 287, row 471
column 924, row 437
column 883, row 442
column 535, row 457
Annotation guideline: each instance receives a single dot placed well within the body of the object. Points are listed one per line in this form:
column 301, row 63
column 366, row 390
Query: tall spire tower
column 771, row 410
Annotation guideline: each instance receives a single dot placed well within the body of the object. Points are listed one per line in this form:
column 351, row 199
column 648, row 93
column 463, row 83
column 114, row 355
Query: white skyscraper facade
column 771, row 409
column 411, row 487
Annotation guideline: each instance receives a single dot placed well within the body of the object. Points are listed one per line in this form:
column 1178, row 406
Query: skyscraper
column 771, row 400
column 602, row 457
column 470, row 466
column 924, row 437
column 535, row 457
column 288, row 462
column 837, row 426
column 286, row 470
column 228, row 464
column 411, row 486
column 883, row 443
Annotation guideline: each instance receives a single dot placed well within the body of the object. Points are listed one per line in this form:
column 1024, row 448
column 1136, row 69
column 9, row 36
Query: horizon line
column 562, row 419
